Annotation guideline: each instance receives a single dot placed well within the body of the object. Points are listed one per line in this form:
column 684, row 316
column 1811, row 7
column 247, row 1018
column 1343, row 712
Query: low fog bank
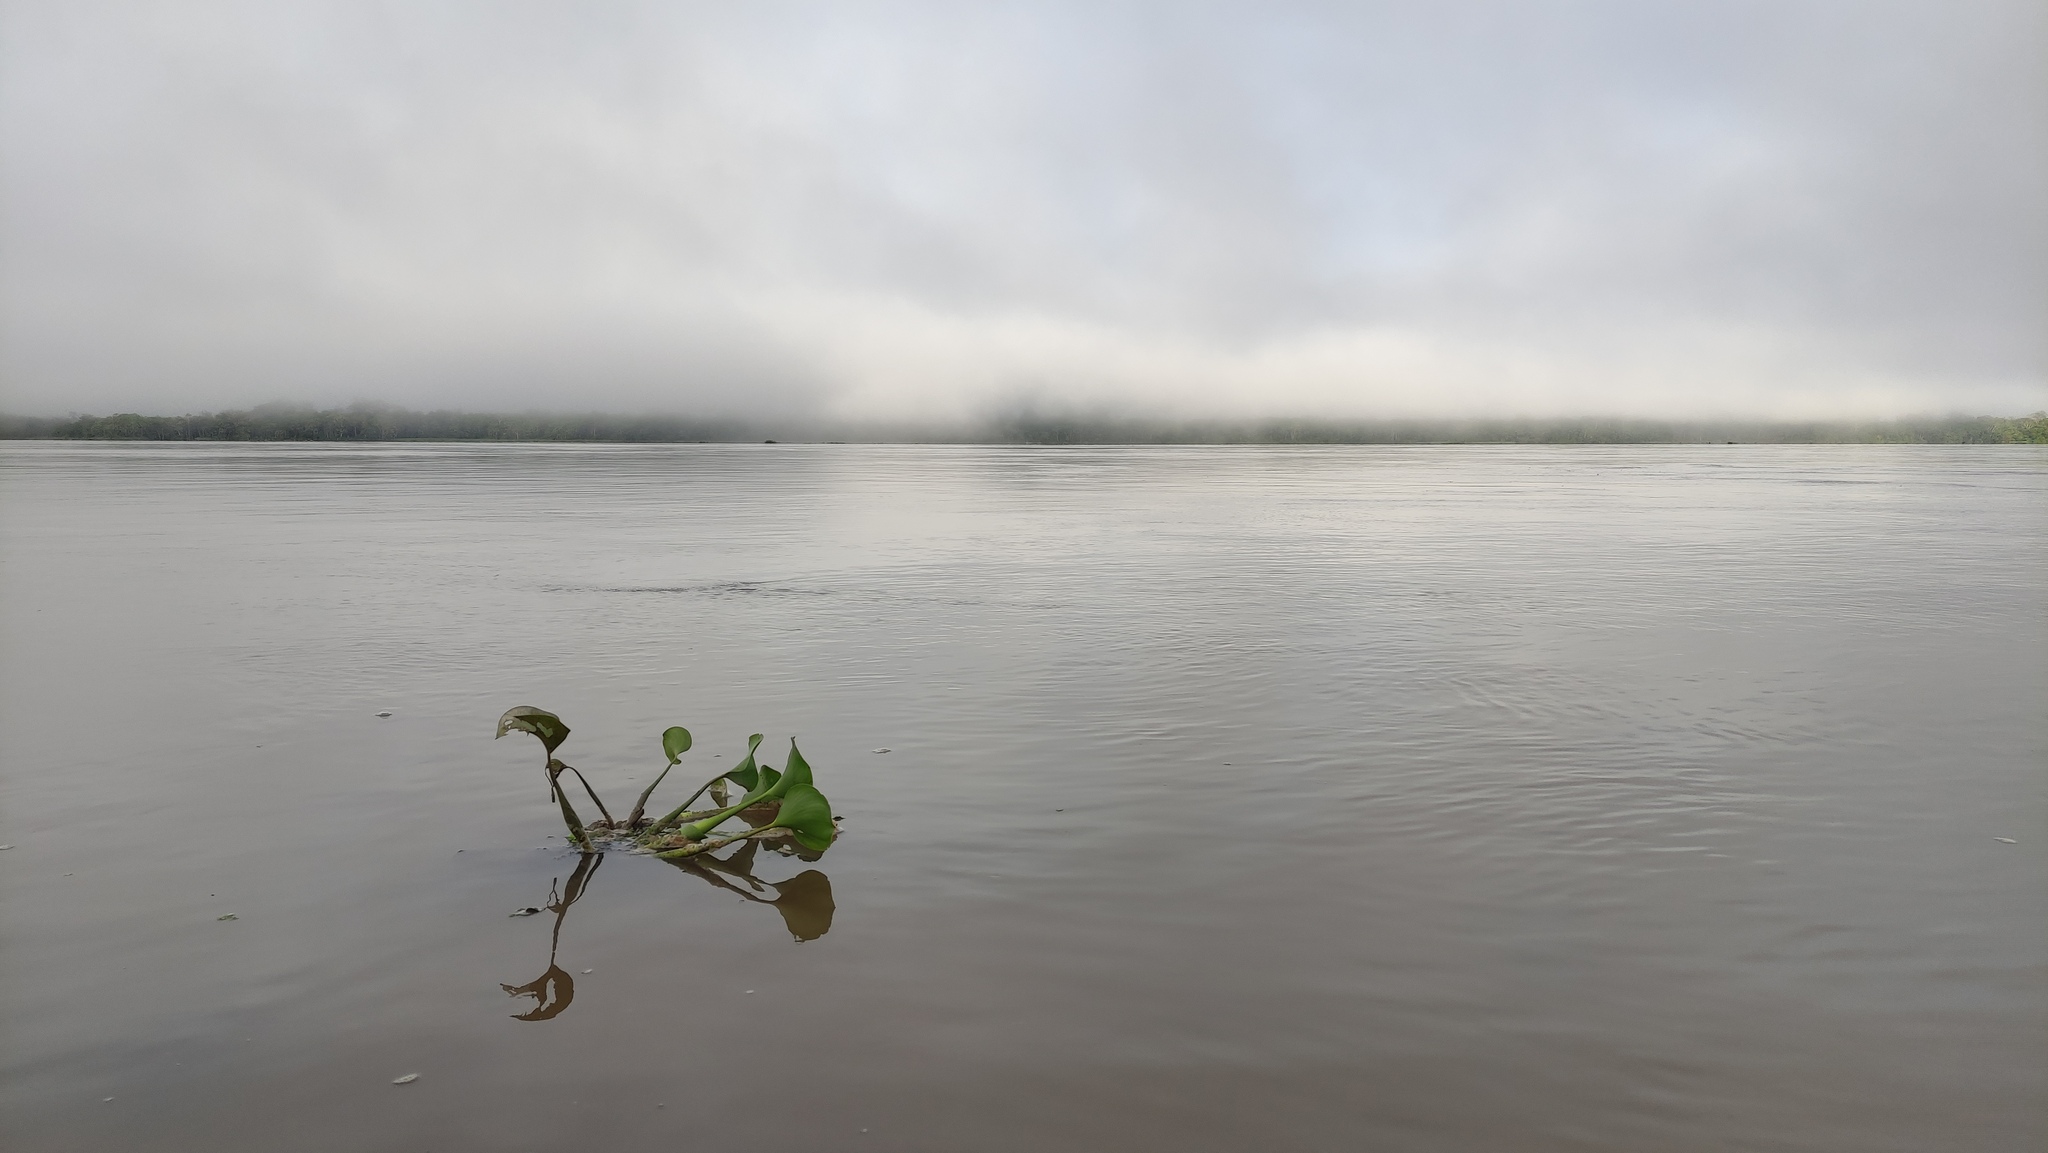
column 364, row 423
column 922, row 212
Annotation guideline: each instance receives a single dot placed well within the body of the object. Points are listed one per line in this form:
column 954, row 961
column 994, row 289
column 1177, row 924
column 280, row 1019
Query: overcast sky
column 935, row 210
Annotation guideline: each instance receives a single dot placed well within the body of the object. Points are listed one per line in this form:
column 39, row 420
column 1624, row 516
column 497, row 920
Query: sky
column 890, row 211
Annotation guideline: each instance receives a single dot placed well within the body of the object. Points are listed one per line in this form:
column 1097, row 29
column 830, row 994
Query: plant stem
column 692, row 850
column 575, row 824
column 679, row 812
column 569, row 817
column 640, row 806
column 593, row 794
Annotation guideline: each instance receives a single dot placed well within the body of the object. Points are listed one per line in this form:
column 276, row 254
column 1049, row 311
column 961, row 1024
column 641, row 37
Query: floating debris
column 227, row 917
column 385, row 713
column 2007, row 840
column 528, row 911
column 4, row 848
column 408, row 1079
column 881, row 750
column 588, row 971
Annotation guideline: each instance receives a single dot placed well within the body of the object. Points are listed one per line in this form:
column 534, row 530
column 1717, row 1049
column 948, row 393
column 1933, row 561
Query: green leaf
column 772, row 786
column 541, row 723
column 807, row 813
column 796, row 771
column 675, row 742
column 698, row 830
column 744, row 774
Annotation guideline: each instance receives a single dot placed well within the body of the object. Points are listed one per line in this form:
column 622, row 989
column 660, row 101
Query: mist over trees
column 370, row 423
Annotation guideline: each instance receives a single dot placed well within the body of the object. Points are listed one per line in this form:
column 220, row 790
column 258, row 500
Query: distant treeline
column 370, row 423
column 366, row 423
column 1929, row 430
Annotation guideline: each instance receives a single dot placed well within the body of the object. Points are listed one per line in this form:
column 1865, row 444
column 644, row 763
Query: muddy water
column 1348, row 798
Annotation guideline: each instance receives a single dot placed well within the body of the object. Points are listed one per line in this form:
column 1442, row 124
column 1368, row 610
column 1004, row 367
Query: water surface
column 1236, row 798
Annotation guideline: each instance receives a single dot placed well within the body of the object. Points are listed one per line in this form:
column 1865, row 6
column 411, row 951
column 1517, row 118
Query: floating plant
column 782, row 807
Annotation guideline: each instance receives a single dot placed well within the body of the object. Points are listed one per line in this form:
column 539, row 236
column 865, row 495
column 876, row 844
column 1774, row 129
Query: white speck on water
column 408, row 1079
column 590, row 970
column 106, row 1098
column 749, row 990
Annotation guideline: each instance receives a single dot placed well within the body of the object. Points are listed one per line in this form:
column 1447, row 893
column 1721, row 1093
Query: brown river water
column 1349, row 798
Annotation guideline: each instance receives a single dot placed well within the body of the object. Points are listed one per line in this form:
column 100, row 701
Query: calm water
column 1271, row 799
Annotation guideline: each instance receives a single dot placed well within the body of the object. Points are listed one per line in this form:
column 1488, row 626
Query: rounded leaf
column 675, row 742
column 540, row 722
column 807, row 813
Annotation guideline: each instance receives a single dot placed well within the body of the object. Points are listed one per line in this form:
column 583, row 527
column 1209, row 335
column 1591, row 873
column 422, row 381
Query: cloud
column 928, row 210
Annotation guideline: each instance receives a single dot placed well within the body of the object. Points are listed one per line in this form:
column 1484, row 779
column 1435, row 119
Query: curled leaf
column 807, row 813
column 796, row 771
column 745, row 774
column 675, row 742
column 541, row 723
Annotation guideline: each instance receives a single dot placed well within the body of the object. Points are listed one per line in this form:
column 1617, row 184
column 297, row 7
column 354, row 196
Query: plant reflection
column 553, row 990
column 805, row 902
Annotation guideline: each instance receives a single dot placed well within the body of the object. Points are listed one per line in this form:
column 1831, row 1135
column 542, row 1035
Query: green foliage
column 796, row 771
column 798, row 809
column 806, row 813
column 675, row 742
column 745, row 774
column 541, row 723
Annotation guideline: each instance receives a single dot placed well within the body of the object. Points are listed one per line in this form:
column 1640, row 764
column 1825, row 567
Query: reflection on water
column 805, row 902
column 553, row 990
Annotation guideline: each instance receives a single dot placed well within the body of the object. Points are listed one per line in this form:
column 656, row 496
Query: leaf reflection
column 805, row 902
column 553, row 990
